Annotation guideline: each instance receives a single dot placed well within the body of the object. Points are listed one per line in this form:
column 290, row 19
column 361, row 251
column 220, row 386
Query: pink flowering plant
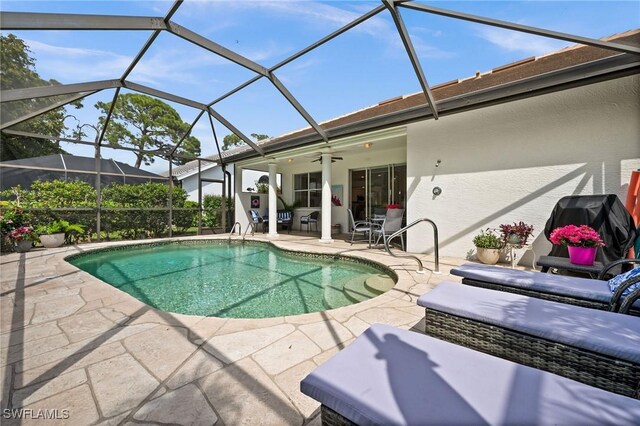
column 23, row 233
column 576, row 236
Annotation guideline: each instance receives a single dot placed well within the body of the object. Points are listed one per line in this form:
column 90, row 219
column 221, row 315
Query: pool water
column 237, row 281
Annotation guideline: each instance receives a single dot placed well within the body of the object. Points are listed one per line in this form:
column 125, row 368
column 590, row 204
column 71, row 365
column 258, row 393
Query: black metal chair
column 310, row 219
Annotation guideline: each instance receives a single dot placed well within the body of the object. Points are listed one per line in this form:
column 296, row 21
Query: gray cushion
column 397, row 377
column 608, row 333
column 583, row 288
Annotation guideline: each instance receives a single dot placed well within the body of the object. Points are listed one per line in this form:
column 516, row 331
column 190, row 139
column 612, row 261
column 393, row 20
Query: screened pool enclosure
column 246, row 82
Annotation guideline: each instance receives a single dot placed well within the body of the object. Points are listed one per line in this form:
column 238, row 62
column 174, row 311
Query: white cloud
column 514, row 41
column 72, row 64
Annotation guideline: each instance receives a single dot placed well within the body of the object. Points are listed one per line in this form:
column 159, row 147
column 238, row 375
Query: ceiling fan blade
column 337, row 158
column 317, row 159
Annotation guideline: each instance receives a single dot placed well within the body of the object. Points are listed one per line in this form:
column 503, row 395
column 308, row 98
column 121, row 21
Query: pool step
column 379, row 283
column 355, row 290
column 333, row 297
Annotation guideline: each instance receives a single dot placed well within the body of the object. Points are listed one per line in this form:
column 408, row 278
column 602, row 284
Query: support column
column 326, row 198
column 273, row 201
column 98, row 192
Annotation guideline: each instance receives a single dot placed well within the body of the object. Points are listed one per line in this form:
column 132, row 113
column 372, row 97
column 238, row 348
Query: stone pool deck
column 75, row 348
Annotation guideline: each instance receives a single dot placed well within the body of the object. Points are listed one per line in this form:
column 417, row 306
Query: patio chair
column 255, row 219
column 587, row 292
column 285, row 218
column 359, row 227
column 389, row 376
column 392, row 223
column 310, row 219
column 599, row 348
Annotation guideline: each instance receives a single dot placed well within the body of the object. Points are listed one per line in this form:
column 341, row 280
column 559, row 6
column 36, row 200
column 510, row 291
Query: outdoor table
column 563, row 263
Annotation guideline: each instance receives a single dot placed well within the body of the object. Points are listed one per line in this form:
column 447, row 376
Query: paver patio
column 72, row 342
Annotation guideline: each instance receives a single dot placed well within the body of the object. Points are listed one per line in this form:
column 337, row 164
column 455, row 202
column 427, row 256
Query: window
column 307, row 189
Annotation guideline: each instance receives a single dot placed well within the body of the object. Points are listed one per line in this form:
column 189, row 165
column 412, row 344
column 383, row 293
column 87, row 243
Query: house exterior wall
column 513, row 162
column 190, row 183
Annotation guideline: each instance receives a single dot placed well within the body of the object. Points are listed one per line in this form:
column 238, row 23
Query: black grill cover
column 604, row 213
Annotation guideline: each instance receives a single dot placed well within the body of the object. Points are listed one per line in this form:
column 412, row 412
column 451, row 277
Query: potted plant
column 488, row 245
column 23, row 238
column 55, row 233
column 582, row 242
column 516, row 234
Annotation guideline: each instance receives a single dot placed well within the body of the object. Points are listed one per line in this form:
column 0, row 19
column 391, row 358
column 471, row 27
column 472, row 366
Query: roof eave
column 579, row 75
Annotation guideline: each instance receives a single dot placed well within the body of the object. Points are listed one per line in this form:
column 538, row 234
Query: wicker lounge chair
column 390, row 376
column 595, row 347
column 590, row 293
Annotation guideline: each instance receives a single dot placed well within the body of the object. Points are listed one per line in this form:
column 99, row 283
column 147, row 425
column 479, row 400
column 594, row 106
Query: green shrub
column 488, row 239
column 185, row 219
column 212, row 206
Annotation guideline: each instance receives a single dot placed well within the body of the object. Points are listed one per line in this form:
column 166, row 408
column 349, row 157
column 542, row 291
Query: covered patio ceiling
column 626, row 61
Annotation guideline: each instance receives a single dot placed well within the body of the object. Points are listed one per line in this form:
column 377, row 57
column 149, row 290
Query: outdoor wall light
column 290, row 160
column 438, row 162
column 368, row 145
column 437, row 191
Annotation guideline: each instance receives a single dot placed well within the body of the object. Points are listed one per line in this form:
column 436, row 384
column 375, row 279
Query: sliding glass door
column 372, row 189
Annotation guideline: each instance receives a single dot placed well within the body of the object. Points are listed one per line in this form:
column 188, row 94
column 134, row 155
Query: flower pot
column 514, row 239
column 582, row 255
column 52, row 240
column 488, row 256
column 23, row 246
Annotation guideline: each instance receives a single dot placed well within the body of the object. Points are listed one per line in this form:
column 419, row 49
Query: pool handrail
column 252, row 227
column 435, row 245
column 233, row 228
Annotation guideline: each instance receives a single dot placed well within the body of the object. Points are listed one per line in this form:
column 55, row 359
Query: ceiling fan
column 333, row 159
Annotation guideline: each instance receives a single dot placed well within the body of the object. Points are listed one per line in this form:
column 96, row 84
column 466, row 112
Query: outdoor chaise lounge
column 595, row 347
column 389, row 376
column 591, row 293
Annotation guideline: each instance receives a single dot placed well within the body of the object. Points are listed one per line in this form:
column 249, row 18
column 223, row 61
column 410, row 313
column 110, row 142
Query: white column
column 273, row 201
column 326, row 198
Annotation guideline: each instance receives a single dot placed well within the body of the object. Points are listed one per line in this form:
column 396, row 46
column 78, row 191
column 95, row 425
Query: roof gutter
column 605, row 69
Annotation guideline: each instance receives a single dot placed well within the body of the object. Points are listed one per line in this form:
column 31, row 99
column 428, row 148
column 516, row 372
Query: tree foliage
column 232, row 140
column 146, row 123
column 17, row 72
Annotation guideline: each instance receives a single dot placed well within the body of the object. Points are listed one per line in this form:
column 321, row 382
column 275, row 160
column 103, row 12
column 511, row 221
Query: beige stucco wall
column 513, row 161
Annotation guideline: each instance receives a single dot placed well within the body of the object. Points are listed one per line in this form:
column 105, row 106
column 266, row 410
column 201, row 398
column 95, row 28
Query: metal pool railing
column 435, row 245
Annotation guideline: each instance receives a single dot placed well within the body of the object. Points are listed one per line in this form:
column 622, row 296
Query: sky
column 364, row 66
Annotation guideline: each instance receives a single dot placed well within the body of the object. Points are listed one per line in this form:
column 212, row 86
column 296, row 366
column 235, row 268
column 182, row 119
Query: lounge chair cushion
column 603, row 332
column 616, row 281
column 390, row 376
column 582, row 288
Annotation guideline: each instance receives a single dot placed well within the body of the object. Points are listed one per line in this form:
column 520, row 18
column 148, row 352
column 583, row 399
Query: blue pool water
column 238, row 281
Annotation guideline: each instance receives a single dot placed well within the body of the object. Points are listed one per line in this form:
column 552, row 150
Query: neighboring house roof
column 27, row 170
column 453, row 90
column 191, row 167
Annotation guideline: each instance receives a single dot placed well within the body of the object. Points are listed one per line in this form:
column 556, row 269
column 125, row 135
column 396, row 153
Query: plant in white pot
column 488, row 245
column 53, row 234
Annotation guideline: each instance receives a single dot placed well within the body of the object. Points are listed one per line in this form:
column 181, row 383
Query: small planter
column 582, row 255
column 23, row 246
column 488, row 256
column 52, row 240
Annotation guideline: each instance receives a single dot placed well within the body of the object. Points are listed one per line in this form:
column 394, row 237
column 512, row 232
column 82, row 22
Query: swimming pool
column 237, row 280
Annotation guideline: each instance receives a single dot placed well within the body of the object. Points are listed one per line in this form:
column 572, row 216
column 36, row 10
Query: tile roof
column 528, row 67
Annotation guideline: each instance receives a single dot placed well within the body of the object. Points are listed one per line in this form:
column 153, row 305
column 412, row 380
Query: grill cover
column 604, row 213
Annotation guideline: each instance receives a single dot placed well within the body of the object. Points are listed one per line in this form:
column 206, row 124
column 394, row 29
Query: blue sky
column 358, row 69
